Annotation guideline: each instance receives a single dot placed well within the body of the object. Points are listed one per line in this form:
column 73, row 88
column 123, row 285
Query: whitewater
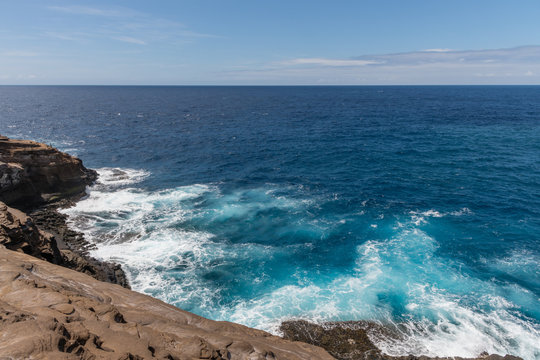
column 415, row 207
column 448, row 312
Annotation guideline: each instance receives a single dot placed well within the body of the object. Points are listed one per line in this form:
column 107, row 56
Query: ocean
column 417, row 207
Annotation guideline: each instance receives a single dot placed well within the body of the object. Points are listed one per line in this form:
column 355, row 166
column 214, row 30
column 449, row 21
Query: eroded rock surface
column 39, row 179
column 33, row 173
column 18, row 232
column 47, row 311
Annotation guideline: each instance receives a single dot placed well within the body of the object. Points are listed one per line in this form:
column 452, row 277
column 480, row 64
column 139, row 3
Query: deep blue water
column 413, row 206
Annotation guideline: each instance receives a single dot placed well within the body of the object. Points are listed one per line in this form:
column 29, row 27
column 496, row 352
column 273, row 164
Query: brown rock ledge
column 50, row 312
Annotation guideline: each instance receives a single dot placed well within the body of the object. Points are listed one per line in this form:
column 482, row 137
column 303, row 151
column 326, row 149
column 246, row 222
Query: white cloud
column 520, row 54
column 329, row 62
column 437, row 50
column 129, row 39
column 85, row 10
column 519, row 65
column 26, row 76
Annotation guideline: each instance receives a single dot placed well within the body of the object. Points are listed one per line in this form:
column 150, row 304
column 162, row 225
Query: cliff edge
column 50, row 312
column 39, row 179
column 33, row 173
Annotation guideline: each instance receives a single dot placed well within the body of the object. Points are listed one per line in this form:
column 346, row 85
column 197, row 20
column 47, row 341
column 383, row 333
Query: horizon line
column 266, row 85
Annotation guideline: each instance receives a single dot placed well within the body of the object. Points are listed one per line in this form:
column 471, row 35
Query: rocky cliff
column 32, row 173
column 18, row 232
column 39, row 179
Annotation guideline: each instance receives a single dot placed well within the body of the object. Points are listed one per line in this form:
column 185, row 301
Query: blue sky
column 270, row 42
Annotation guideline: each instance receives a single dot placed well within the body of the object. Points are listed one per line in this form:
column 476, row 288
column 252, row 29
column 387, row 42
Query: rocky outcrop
column 47, row 311
column 33, row 173
column 18, row 232
column 39, row 179
column 349, row 340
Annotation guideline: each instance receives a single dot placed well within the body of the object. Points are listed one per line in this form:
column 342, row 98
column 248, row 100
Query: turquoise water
column 412, row 206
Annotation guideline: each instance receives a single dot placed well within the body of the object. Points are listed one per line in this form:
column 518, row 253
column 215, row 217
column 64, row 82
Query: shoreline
column 340, row 339
column 30, row 183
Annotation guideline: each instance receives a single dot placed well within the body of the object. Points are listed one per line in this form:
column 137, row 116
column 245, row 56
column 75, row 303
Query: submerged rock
column 47, row 311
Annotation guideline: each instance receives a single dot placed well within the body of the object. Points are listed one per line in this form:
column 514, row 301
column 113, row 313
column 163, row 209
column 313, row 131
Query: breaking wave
column 239, row 255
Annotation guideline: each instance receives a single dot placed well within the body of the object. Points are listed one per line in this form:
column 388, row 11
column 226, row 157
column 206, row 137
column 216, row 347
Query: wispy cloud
column 61, row 36
column 523, row 54
column 18, row 77
column 129, row 39
column 517, row 65
column 92, row 11
column 329, row 62
column 520, row 54
column 126, row 25
column 437, row 50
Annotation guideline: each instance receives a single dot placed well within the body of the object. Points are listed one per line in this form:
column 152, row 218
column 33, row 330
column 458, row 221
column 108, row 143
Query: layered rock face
column 39, row 178
column 32, row 173
column 19, row 233
column 50, row 312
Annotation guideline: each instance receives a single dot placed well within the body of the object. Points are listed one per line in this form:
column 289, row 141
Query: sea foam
column 162, row 240
column 443, row 315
